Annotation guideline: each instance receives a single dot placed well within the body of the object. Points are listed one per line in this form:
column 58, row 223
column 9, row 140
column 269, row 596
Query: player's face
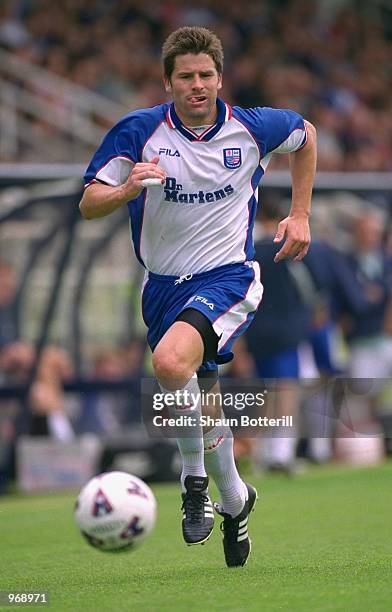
column 194, row 86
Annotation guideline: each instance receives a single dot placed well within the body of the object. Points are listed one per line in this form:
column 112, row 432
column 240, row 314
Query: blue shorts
column 323, row 342
column 228, row 296
column 284, row 364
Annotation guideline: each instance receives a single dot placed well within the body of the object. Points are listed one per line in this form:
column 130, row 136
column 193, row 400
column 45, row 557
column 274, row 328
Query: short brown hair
column 191, row 40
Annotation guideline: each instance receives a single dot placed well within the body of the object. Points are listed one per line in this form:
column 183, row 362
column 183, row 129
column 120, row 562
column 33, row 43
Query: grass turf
column 321, row 541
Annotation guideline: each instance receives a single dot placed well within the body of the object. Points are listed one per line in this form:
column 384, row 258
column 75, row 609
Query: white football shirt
column 203, row 216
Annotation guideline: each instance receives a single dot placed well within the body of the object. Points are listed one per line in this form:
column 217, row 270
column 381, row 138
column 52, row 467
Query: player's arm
column 295, row 227
column 100, row 200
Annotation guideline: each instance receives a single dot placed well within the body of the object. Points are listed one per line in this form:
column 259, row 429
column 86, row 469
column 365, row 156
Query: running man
column 189, row 172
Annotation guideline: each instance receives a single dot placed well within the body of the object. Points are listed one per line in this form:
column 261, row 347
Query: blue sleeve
column 123, row 145
column 273, row 128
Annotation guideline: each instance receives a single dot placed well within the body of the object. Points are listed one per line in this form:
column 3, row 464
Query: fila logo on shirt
column 169, row 152
column 174, row 193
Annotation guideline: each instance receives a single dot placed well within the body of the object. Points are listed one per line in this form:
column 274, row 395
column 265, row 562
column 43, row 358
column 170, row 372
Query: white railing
column 30, row 95
column 350, row 181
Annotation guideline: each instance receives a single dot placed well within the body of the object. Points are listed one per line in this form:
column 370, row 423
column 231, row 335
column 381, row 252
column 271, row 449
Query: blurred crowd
column 330, row 60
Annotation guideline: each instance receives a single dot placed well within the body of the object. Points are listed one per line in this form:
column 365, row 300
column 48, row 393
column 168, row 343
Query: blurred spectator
column 102, row 410
column 46, row 396
column 17, row 359
column 364, row 301
column 107, row 412
column 46, row 399
column 368, row 283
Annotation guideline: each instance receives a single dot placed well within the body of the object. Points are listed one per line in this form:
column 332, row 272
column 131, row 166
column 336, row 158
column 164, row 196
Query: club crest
column 232, row 158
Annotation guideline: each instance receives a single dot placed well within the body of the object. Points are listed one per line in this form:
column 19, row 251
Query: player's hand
column 140, row 171
column 297, row 233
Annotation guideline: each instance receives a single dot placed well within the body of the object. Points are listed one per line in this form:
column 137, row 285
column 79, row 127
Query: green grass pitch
column 321, row 541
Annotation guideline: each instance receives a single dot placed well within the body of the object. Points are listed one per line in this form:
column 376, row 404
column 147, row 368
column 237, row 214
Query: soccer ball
column 115, row 511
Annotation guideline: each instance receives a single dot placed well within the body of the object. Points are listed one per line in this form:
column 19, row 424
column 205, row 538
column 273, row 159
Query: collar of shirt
column 174, row 122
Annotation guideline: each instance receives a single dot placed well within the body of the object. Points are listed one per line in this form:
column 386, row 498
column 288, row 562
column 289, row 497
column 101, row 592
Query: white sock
column 219, row 463
column 190, row 439
column 280, row 450
column 59, row 426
